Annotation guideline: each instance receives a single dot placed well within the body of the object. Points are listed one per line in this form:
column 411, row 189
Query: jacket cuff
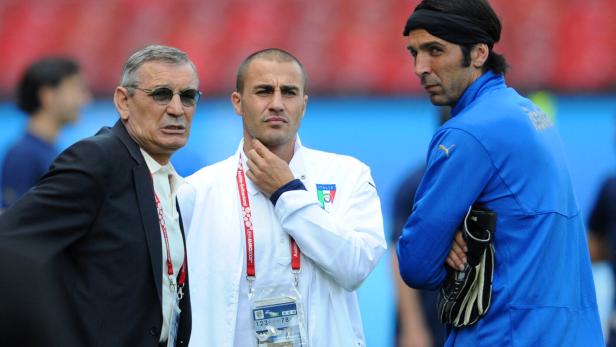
column 296, row 184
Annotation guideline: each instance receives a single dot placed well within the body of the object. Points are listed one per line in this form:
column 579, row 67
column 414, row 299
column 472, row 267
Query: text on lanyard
column 249, row 231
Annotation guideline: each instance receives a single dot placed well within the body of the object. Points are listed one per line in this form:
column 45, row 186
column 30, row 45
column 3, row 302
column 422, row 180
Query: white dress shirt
column 166, row 184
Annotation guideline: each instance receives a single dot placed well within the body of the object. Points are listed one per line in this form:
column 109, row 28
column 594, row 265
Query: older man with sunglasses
column 104, row 222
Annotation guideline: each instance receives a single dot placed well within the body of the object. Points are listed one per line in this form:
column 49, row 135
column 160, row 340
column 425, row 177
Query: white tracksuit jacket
column 341, row 240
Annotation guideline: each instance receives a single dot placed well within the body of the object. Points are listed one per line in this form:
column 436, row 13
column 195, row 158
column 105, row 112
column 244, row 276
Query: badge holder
column 278, row 316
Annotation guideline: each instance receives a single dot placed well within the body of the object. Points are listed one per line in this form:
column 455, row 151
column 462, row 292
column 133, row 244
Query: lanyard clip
column 172, row 285
column 250, row 280
column 295, row 273
column 180, row 292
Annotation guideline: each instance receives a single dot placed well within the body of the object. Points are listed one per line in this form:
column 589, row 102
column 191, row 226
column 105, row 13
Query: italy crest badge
column 326, row 194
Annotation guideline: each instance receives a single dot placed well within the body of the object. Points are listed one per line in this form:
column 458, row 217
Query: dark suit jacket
column 92, row 221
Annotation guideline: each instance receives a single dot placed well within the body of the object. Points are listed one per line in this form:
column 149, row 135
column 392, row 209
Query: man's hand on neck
column 265, row 169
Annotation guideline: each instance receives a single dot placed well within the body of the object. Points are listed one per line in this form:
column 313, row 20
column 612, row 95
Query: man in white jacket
column 279, row 235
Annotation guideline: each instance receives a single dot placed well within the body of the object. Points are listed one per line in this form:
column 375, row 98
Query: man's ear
column 120, row 99
column 305, row 104
column 479, row 55
column 236, row 100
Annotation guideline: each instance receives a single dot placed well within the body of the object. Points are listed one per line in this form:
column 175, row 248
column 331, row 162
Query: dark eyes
column 435, row 50
column 283, row 91
column 188, row 97
column 290, row 91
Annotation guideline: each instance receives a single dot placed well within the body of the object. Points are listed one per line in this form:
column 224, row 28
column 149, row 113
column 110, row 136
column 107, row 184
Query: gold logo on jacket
column 446, row 150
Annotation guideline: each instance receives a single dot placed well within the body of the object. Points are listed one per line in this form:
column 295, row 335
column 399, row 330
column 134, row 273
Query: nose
column 276, row 105
column 175, row 107
column 422, row 65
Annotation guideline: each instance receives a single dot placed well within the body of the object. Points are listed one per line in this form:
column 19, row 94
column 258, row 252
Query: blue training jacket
column 501, row 150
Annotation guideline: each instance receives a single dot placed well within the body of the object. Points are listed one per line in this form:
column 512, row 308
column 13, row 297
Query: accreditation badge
column 278, row 317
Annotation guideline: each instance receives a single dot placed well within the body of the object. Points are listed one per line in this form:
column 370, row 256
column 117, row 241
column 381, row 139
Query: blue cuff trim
column 296, row 184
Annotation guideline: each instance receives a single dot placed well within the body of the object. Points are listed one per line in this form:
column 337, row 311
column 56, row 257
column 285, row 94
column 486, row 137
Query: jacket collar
column 144, row 190
column 486, row 82
column 297, row 164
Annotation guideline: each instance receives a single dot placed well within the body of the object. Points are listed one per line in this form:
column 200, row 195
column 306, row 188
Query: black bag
column 465, row 296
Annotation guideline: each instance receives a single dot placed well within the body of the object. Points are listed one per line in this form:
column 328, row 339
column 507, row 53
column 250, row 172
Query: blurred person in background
column 417, row 322
column 602, row 244
column 103, row 220
column 278, row 229
column 501, row 151
column 51, row 92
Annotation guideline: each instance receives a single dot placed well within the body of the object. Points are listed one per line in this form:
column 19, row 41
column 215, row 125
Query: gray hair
column 151, row 53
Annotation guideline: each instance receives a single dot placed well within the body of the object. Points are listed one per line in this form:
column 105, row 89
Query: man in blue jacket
column 501, row 151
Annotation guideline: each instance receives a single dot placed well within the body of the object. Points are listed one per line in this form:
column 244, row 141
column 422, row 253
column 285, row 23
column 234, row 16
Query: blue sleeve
column 19, row 174
column 295, row 184
column 61, row 208
column 458, row 169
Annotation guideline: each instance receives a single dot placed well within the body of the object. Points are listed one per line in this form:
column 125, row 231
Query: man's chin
column 173, row 146
column 439, row 100
column 274, row 141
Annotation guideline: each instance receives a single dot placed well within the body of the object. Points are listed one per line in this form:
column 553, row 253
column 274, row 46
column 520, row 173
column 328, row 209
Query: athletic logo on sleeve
column 539, row 119
column 446, row 150
column 326, row 194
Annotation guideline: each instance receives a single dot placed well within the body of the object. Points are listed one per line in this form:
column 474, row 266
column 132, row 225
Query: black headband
column 449, row 27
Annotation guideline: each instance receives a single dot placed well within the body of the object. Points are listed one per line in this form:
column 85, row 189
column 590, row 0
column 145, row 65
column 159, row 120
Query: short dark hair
column 480, row 12
column 276, row 54
column 48, row 72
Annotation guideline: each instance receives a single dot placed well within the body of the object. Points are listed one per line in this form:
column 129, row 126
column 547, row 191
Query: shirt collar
column 176, row 180
column 488, row 81
column 39, row 140
column 152, row 164
column 296, row 165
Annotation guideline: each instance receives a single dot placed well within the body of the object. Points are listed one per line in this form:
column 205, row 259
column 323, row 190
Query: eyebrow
column 426, row 45
column 169, row 87
column 263, row 86
column 289, row 88
column 156, row 86
column 283, row 88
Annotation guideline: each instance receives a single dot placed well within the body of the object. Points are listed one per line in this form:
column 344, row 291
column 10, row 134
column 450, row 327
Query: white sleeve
column 347, row 243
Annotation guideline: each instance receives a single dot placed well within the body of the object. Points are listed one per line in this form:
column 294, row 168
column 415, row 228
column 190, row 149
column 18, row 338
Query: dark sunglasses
column 163, row 95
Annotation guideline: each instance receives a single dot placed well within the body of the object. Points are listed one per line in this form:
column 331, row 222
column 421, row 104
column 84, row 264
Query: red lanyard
column 248, row 230
column 163, row 228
